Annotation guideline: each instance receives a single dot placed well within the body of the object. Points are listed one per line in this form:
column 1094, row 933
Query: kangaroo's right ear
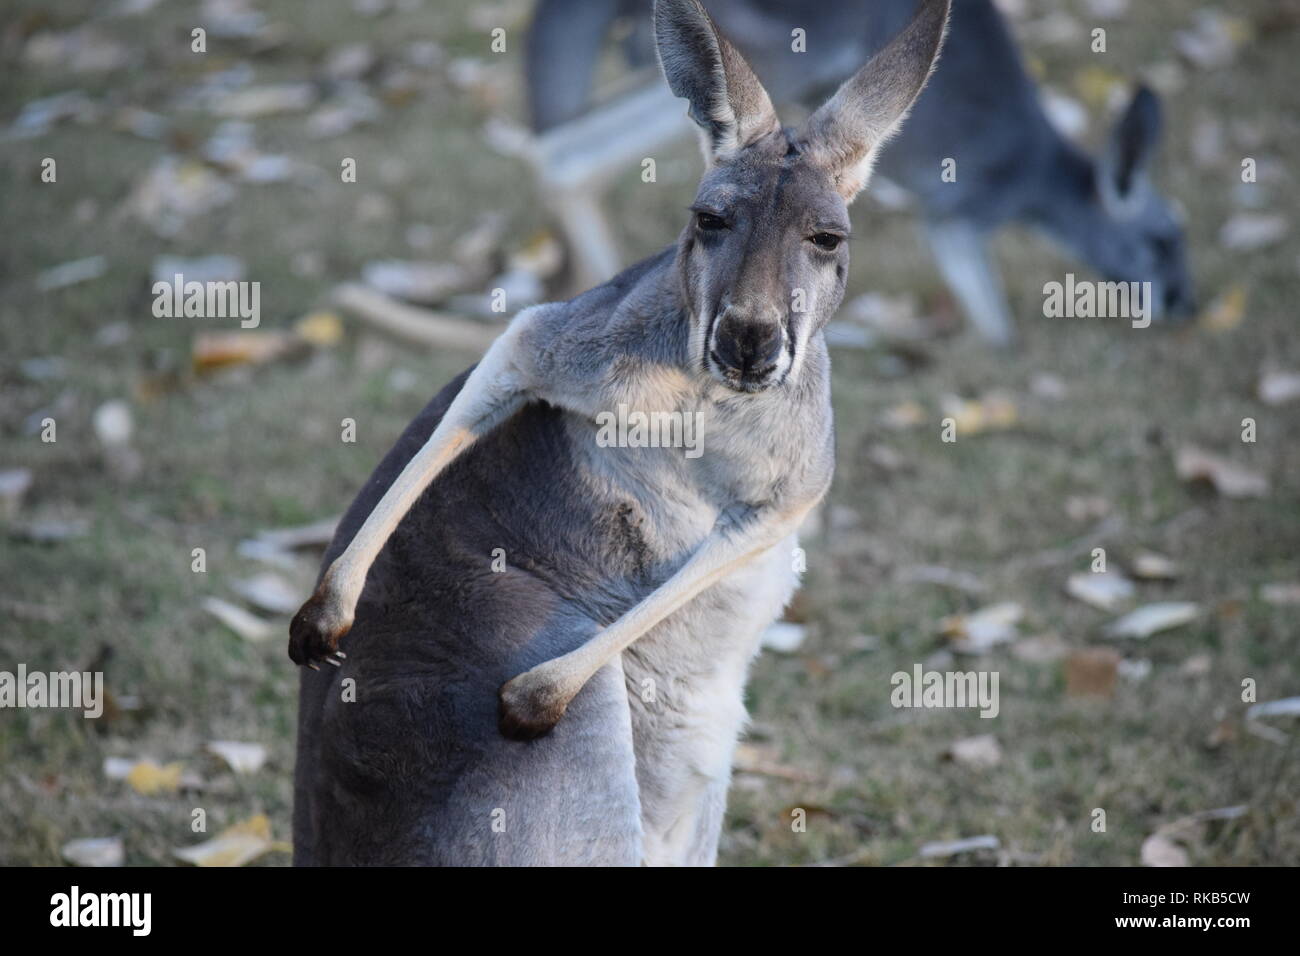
column 727, row 101
column 845, row 135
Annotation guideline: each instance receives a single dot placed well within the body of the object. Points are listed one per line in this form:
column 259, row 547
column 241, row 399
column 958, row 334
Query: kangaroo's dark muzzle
column 746, row 351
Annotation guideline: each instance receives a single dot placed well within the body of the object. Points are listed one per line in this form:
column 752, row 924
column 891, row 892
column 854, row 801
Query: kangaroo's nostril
column 745, row 347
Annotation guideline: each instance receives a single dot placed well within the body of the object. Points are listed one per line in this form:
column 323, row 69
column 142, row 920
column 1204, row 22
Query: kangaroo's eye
column 826, row 240
column 709, row 222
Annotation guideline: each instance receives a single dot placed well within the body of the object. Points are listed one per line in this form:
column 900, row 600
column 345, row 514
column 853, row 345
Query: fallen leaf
column 1160, row 850
column 1280, row 594
column 953, row 847
column 1278, row 388
column 321, row 329
column 14, row 483
column 258, row 101
column 1253, row 230
column 906, row 414
column 234, row 846
column 1150, row 566
column 71, row 273
column 1091, row 672
column 1105, row 590
column 95, row 851
column 212, row 268
column 1228, row 479
column 1083, row 508
column 981, row 752
column 1288, row 706
column 147, row 778
column 240, row 757
column 1226, row 312
column 992, row 412
column 1154, row 618
column 219, row 350
column 989, row 626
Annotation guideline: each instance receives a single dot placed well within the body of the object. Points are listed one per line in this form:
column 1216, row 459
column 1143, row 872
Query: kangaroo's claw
column 315, row 632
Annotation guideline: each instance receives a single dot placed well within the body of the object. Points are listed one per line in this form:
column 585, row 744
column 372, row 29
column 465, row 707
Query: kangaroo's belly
column 686, row 681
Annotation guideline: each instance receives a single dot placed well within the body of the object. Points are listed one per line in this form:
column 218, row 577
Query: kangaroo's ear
column 727, row 101
column 845, row 135
column 1122, row 170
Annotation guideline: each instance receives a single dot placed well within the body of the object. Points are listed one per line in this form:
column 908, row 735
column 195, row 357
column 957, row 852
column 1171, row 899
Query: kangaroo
column 580, row 704
column 980, row 109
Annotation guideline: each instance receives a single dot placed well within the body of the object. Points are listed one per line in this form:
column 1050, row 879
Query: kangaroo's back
column 406, row 765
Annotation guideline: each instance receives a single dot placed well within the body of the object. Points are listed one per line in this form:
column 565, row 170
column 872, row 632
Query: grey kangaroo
column 616, row 637
column 981, row 109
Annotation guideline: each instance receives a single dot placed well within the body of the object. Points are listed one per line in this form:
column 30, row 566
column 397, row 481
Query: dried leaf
column 1228, row 479
column 1150, row 566
column 240, row 757
column 321, row 329
column 1226, row 312
column 953, row 847
column 992, row 412
column 1160, row 850
column 95, row 851
column 1154, row 618
column 980, row 752
column 1106, row 590
column 1091, row 672
column 147, row 778
column 989, row 626
column 1280, row 594
column 218, row 350
column 906, row 414
column 1278, row 388
column 1253, row 230
column 14, row 483
column 234, row 846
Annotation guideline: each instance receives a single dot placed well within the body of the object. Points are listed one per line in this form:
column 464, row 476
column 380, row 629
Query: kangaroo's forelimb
column 494, row 391
column 532, row 703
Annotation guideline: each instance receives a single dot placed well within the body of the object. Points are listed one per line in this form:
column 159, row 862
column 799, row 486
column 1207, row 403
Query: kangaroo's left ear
column 1123, row 166
column 727, row 101
column 845, row 135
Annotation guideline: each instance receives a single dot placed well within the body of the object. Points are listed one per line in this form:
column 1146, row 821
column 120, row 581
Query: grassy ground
column 225, row 456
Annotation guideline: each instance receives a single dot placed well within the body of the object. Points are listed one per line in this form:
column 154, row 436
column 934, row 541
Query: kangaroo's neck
column 1065, row 203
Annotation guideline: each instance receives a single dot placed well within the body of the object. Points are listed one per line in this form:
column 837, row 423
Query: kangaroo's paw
column 530, row 706
column 315, row 631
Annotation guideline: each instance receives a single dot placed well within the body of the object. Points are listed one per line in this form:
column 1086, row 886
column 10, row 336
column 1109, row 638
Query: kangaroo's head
column 764, row 258
column 1129, row 232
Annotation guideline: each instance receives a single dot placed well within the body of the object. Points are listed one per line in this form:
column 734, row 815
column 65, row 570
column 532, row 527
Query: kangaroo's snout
column 747, row 350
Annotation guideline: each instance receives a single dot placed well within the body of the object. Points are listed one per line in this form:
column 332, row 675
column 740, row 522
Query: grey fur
column 415, row 771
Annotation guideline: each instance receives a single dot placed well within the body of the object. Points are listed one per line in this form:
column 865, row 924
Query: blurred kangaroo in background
column 981, row 109
column 616, row 638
